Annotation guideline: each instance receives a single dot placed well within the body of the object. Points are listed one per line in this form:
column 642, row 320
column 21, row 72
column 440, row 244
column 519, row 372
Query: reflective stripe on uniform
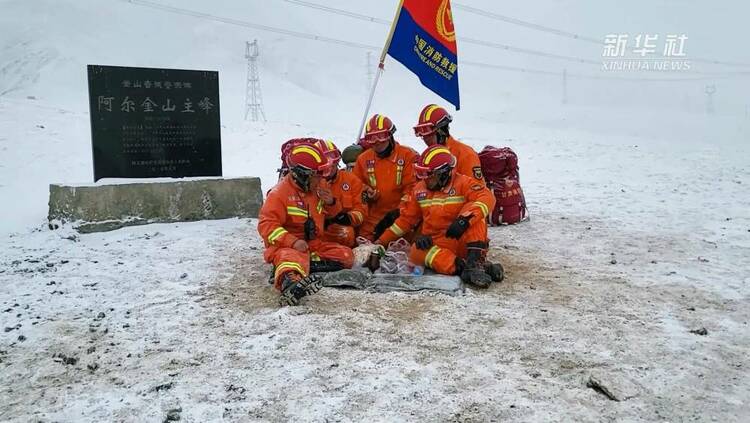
column 431, row 253
column 396, row 230
column 485, row 209
column 276, row 234
column 371, row 173
column 357, row 217
column 286, row 266
column 320, row 206
column 296, row 211
column 399, row 173
column 441, row 201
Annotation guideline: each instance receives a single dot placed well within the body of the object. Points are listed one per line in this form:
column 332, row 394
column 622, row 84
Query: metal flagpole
column 381, row 67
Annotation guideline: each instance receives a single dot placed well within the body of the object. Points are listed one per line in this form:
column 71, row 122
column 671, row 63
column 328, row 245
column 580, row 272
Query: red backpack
column 500, row 169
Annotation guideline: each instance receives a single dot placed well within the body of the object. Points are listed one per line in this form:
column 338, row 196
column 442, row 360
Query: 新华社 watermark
column 645, row 52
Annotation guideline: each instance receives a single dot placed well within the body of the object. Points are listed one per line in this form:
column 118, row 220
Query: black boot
column 495, row 270
column 294, row 287
column 460, row 266
column 320, row 266
column 272, row 276
column 474, row 273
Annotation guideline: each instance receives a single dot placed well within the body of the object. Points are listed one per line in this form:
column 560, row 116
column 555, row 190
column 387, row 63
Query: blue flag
column 424, row 40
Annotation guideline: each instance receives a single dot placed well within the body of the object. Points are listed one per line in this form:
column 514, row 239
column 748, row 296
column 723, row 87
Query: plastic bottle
column 417, row 271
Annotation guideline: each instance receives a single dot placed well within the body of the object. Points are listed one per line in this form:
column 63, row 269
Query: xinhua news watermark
column 645, row 52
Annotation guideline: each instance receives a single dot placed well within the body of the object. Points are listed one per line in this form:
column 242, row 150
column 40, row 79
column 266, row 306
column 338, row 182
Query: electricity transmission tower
column 253, row 97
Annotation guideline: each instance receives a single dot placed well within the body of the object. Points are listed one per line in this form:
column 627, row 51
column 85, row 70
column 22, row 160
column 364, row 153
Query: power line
column 525, row 24
column 572, row 35
column 474, row 41
column 717, row 62
column 248, row 24
column 527, row 51
column 339, row 11
column 314, row 37
column 601, row 77
column 500, row 46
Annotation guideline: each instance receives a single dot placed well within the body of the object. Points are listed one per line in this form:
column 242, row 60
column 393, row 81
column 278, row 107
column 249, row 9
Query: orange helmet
column 435, row 160
column 305, row 161
column 379, row 128
column 432, row 118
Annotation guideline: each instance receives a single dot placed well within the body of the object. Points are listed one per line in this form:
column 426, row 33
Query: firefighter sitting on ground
column 347, row 191
column 452, row 208
column 386, row 169
column 432, row 127
column 291, row 224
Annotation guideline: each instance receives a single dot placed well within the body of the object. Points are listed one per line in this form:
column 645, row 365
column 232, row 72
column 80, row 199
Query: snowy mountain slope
column 640, row 230
column 138, row 324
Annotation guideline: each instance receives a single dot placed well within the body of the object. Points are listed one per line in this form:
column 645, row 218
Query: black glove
column 423, row 242
column 386, row 222
column 342, row 218
column 458, row 227
column 310, row 229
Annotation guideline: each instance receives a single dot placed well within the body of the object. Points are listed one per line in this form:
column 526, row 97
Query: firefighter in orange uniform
column 387, row 170
column 347, row 191
column 291, row 225
column 452, row 208
column 432, row 127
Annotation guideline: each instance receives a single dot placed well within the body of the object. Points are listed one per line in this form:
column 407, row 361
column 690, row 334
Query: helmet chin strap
column 443, row 180
column 302, row 182
column 442, row 136
column 388, row 150
column 303, row 185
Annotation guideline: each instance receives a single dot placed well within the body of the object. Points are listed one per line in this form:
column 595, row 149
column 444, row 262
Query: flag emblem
column 424, row 40
column 444, row 22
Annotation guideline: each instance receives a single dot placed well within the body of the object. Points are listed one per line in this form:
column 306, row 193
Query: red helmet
column 379, row 128
column 330, row 150
column 287, row 147
column 305, row 161
column 332, row 153
column 432, row 118
column 435, row 160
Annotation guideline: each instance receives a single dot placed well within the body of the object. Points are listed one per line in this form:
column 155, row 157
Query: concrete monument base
column 100, row 208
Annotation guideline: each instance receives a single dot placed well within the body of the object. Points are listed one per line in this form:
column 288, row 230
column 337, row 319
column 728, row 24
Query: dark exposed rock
column 162, row 387
column 613, row 386
column 64, row 359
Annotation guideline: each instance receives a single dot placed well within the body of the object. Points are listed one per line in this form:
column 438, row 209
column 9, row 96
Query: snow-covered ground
column 639, row 233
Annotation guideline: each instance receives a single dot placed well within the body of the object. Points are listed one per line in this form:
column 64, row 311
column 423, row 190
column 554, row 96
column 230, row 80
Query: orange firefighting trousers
column 288, row 259
column 344, row 235
column 441, row 257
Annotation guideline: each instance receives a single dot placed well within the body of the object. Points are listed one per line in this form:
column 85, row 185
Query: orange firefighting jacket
column 283, row 214
column 467, row 159
column 464, row 196
column 347, row 190
column 392, row 176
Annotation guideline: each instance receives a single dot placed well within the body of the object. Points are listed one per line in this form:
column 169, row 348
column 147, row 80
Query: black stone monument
column 148, row 123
